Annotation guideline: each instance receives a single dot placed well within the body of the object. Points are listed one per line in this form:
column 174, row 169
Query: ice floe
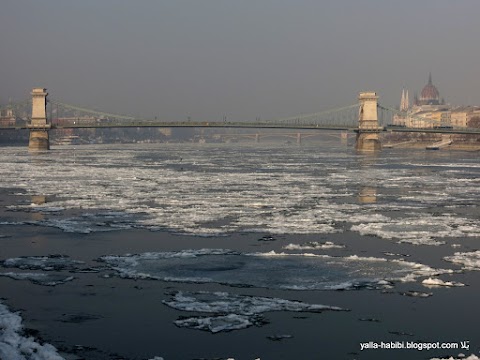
column 15, row 346
column 219, row 323
column 469, row 260
column 420, row 230
column 216, row 193
column 233, row 312
column 419, row 294
column 314, row 245
column 46, row 263
column 267, row 238
column 36, row 208
column 387, row 253
column 222, row 302
column 301, row 271
column 435, row 282
column 45, row 279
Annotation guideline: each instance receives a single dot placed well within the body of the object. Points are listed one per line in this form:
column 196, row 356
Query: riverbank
column 425, row 144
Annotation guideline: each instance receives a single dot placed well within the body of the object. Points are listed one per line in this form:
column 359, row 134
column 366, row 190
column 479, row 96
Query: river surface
column 215, row 251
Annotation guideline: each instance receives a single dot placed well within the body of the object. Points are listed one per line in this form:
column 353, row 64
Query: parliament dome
column 430, row 94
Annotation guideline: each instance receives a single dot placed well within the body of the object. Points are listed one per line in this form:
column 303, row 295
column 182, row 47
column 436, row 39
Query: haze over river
column 216, row 251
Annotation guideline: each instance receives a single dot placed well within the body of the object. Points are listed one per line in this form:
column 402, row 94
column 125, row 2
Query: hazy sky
column 243, row 59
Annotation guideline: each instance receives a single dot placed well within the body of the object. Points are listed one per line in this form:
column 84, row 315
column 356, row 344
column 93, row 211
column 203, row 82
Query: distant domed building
column 429, row 94
column 431, row 111
column 427, row 111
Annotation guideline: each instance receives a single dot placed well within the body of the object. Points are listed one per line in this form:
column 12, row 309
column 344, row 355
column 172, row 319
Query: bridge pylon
column 368, row 128
column 39, row 138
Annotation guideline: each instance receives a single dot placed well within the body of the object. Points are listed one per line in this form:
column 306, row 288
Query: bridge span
column 362, row 118
column 167, row 124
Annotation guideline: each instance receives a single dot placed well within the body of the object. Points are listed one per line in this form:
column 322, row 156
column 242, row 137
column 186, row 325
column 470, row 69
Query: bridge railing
column 346, row 116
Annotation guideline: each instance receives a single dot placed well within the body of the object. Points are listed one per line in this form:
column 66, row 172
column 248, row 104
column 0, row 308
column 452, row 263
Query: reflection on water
column 39, row 199
column 367, row 159
column 367, row 195
column 39, row 158
column 37, row 216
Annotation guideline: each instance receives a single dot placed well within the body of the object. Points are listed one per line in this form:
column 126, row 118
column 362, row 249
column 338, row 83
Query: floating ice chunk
column 418, row 294
column 302, row 271
column 83, row 226
column 14, row 346
column 39, row 278
column 313, row 245
column 215, row 324
column 46, row 263
column 469, row 260
column 267, row 238
column 394, row 254
column 13, row 222
column 273, row 253
column 356, row 285
column 370, row 218
column 43, row 208
column 222, row 302
column 283, row 196
column 398, row 232
column 434, row 282
column 423, row 229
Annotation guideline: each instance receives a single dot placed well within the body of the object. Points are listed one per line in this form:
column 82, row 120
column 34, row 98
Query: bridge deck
column 140, row 124
column 242, row 125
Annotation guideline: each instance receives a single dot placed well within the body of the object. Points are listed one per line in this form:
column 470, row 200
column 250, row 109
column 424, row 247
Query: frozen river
column 300, row 251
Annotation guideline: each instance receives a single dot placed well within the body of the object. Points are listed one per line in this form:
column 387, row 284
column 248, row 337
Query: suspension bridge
column 297, row 136
column 367, row 118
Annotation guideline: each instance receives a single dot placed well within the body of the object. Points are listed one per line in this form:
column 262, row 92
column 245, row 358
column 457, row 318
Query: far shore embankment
column 454, row 146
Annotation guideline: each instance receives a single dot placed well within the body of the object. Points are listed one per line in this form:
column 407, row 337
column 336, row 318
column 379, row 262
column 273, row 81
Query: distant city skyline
column 206, row 59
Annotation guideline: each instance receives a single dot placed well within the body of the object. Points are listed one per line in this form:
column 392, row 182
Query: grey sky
column 244, row 58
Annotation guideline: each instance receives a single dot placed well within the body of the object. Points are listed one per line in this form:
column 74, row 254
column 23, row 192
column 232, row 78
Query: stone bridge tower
column 368, row 129
column 39, row 139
